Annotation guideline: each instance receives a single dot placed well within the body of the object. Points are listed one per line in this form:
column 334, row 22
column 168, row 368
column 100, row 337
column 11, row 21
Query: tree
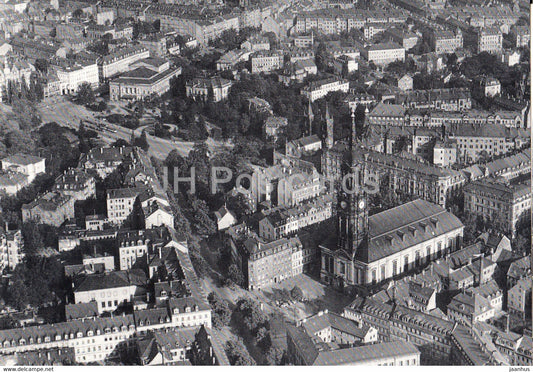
column 275, row 356
column 235, row 275
column 296, row 293
column 237, row 353
column 142, row 141
column 221, row 313
column 85, row 94
column 78, row 13
column 41, row 65
column 33, row 240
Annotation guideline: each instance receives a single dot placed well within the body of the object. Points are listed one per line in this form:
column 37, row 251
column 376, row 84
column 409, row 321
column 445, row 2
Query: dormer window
column 79, row 334
column 187, row 309
column 90, row 333
column 141, row 323
column 58, row 337
column 47, row 339
column 176, row 310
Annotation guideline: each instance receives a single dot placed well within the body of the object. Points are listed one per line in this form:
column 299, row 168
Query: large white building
column 152, row 78
column 393, row 242
column 11, row 249
column 120, row 61
column 120, row 204
column 26, row 164
column 320, row 88
column 73, row 74
column 382, row 54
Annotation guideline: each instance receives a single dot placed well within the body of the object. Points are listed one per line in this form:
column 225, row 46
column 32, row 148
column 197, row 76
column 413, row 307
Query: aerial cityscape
column 265, row 182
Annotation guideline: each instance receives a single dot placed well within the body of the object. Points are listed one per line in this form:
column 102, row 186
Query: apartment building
column 120, row 61
column 519, row 298
column 320, row 88
column 121, row 203
column 502, row 202
column 510, row 119
column 73, row 74
column 109, row 290
column 444, row 41
column 444, row 153
column 335, row 21
column 387, row 114
column 93, row 340
column 475, row 141
column 516, row 347
column 11, row 249
column 470, row 308
column 382, row 54
column 283, row 222
column 453, row 99
column 265, row 263
column 51, row 209
column 412, row 177
column 520, row 36
column 256, row 43
column 132, row 247
column 76, row 183
column 266, row 61
column 401, row 37
column 285, row 184
column 303, row 349
column 488, row 39
column 28, row 165
column 430, row 333
column 104, row 160
column 155, row 43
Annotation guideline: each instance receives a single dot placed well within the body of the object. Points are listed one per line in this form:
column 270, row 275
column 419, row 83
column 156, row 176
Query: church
column 368, row 250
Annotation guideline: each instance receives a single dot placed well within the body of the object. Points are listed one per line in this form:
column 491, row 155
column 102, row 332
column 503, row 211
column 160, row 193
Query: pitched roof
column 22, row 159
column 327, row 319
column 366, row 353
column 81, row 310
column 115, row 279
column 405, row 226
column 384, row 109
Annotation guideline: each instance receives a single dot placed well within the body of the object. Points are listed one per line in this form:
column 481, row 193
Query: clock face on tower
column 344, row 205
column 361, row 204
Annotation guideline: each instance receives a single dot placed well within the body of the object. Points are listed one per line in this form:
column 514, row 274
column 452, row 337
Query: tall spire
column 310, row 116
column 329, row 129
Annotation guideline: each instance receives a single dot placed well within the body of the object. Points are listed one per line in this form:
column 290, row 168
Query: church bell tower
column 352, row 209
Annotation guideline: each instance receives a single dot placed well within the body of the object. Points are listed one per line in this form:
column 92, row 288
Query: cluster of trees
column 232, row 39
column 488, row 64
column 37, row 282
column 237, row 353
column 221, row 313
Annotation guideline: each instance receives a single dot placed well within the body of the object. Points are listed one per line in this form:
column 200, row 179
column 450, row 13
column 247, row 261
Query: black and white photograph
column 265, row 183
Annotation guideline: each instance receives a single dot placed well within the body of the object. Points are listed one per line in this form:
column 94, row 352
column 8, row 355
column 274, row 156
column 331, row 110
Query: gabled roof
column 81, row 310
column 22, row 159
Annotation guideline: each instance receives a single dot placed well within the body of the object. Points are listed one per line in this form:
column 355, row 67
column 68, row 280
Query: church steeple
column 352, row 211
column 311, row 117
column 329, row 129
